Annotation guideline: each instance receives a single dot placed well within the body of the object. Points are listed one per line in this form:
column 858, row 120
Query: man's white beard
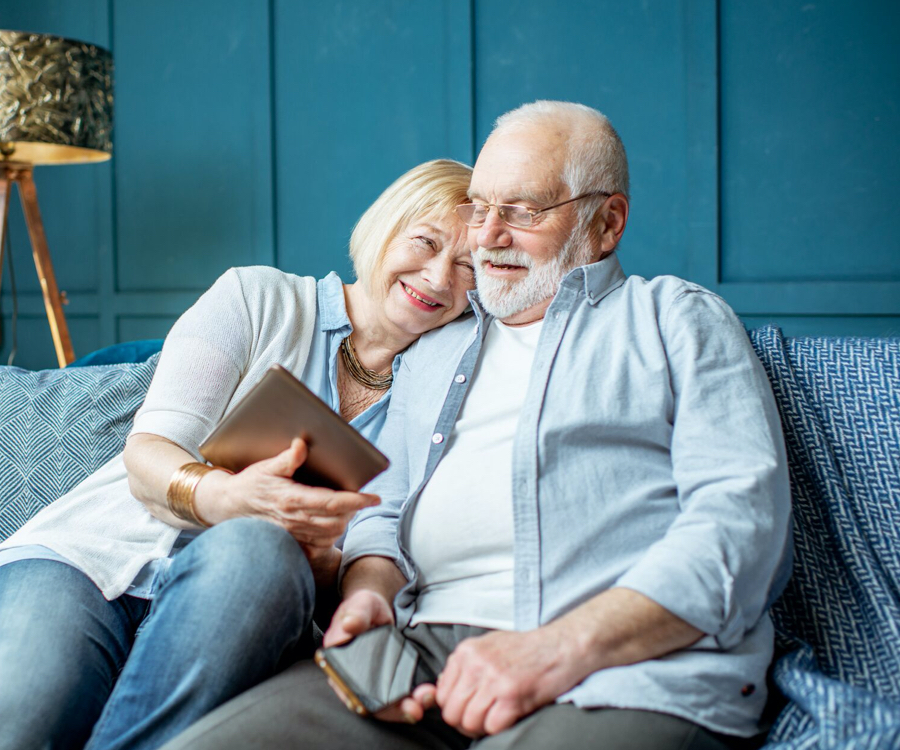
column 504, row 298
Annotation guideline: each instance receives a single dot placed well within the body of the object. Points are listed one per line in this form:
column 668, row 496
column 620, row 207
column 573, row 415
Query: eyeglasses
column 475, row 214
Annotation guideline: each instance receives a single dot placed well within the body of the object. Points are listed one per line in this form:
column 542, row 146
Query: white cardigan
column 250, row 319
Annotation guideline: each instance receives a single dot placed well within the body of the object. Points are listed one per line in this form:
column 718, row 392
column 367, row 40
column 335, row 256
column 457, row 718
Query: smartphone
column 373, row 671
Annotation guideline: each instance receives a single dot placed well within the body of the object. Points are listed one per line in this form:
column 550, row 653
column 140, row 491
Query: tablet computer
column 280, row 408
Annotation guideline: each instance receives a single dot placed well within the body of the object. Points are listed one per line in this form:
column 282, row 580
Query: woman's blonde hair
column 435, row 187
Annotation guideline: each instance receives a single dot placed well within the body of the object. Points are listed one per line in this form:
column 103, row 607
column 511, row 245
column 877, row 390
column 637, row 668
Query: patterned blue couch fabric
column 839, row 400
column 59, row 426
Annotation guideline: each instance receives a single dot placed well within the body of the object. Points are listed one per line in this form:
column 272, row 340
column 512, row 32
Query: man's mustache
column 504, row 257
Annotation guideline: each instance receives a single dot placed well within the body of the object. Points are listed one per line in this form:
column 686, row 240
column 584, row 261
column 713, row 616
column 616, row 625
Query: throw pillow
column 59, row 426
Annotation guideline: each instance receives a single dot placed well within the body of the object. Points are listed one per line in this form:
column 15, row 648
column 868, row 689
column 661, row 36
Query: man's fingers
column 446, row 681
column 500, row 716
column 358, row 613
column 412, row 712
column 411, row 709
column 356, row 623
column 349, row 621
column 345, row 627
column 454, row 700
column 474, row 712
column 425, row 695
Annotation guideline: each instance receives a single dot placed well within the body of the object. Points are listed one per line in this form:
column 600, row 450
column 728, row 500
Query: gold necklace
column 375, row 381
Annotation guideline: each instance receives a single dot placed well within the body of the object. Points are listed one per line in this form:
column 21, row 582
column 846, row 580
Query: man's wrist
column 379, row 575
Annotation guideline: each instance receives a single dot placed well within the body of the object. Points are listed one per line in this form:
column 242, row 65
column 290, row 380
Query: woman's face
column 427, row 270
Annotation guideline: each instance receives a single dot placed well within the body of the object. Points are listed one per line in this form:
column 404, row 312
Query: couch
column 837, row 670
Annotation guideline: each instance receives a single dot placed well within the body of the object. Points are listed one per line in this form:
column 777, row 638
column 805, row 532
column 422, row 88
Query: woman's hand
column 315, row 516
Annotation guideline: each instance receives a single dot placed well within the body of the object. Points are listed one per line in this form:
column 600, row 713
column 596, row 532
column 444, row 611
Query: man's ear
column 610, row 224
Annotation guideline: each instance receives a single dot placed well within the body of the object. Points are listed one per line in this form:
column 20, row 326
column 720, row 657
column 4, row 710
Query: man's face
column 518, row 271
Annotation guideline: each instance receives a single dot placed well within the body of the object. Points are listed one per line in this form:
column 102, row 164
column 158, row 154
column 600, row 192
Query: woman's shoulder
column 267, row 276
column 264, row 286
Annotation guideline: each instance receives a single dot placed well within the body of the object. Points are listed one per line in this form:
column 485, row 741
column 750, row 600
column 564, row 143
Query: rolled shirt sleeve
column 715, row 565
column 374, row 531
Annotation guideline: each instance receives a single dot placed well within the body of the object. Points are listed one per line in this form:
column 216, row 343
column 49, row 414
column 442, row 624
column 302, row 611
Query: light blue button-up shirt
column 648, row 455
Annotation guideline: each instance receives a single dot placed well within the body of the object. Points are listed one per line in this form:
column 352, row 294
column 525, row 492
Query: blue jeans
column 234, row 609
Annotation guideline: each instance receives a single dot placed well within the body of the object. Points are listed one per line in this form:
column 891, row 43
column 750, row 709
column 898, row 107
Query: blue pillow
column 57, row 427
column 130, row 351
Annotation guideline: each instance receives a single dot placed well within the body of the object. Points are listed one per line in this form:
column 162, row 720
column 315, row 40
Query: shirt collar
column 601, row 278
column 331, row 303
column 475, row 302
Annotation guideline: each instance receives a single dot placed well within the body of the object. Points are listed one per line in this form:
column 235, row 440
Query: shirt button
column 437, row 438
column 556, row 314
column 460, row 378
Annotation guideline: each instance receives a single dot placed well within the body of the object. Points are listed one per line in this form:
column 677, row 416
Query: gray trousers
column 297, row 709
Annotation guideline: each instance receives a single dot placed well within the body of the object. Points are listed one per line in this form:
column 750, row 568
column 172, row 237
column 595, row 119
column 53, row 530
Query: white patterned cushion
column 59, row 426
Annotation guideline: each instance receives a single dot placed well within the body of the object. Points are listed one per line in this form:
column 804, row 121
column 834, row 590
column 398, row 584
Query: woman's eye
column 427, row 241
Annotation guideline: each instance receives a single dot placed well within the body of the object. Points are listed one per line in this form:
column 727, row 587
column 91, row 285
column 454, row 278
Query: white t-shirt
column 461, row 536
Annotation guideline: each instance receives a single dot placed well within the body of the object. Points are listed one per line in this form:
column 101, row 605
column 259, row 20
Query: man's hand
column 359, row 612
column 362, row 611
column 492, row 681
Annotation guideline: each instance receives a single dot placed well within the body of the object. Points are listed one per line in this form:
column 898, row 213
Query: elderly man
column 588, row 507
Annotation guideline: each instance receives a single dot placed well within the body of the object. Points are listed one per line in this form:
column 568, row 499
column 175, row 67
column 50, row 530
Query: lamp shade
column 56, row 100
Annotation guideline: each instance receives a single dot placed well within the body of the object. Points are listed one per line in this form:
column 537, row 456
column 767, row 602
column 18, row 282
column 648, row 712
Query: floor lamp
column 55, row 108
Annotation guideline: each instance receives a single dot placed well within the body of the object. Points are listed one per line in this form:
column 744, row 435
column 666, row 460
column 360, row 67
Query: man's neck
column 529, row 315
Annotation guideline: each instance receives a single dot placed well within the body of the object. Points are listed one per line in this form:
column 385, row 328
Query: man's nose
column 494, row 232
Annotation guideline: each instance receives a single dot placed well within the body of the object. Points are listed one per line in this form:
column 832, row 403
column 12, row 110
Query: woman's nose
column 439, row 273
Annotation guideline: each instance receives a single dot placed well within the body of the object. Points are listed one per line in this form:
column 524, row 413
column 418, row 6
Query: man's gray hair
column 595, row 156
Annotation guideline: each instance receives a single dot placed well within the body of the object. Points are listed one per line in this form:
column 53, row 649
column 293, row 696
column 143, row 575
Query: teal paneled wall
column 763, row 141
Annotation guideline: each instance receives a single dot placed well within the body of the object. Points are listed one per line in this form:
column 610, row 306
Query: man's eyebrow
column 532, row 197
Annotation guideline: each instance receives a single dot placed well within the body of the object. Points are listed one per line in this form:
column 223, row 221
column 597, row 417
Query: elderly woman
column 123, row 622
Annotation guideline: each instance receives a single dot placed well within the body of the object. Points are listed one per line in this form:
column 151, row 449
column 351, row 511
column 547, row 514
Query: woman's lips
column 420, row 300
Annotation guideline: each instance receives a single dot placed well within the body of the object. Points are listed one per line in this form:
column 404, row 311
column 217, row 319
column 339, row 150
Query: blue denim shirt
column 648, row 455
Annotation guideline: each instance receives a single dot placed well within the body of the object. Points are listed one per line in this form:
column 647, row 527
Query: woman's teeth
column 412, row 294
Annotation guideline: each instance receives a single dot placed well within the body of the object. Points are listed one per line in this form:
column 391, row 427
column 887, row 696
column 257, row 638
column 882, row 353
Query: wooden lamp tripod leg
column 52, row 301
column 5, row 185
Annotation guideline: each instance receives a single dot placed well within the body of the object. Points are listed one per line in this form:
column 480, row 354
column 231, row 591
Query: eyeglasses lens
column 475, row 214
column 515, row 216
column 472, row 214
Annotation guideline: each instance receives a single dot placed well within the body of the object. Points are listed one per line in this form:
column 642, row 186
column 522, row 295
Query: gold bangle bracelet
column 182, row 489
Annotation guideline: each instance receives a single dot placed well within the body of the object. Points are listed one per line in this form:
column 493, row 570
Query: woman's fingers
column 325, row 502
column 288, row 461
